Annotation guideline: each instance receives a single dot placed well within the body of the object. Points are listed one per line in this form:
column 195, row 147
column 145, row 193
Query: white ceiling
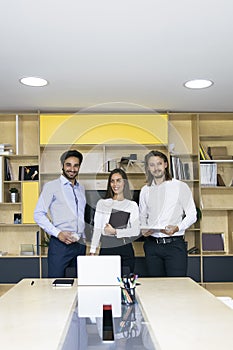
column 122, row 55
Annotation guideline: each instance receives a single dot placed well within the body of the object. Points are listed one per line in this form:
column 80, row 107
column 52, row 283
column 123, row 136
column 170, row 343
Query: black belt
column 165, row 240
column 111, row 241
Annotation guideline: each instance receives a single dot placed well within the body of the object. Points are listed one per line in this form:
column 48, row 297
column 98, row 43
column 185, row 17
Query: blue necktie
column 76, row 199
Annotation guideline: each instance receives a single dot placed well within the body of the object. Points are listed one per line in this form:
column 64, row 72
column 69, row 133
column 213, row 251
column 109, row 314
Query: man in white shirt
column 167, row 209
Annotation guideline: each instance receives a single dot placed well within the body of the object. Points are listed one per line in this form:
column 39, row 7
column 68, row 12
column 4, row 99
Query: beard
column 159, row 174
column 70, row 175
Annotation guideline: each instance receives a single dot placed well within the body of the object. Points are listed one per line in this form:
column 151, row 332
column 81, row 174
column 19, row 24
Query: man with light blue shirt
column 63, row 201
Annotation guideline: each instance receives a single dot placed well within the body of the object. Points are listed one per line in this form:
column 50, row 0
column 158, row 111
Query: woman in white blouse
column 116, row 239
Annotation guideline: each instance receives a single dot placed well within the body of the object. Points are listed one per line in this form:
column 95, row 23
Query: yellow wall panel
column 103, row 129
column 30, row 192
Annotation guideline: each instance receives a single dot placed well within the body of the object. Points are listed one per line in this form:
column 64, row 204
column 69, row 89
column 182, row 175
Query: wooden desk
column 36, row 317
column 184, row 316
column 181, row 315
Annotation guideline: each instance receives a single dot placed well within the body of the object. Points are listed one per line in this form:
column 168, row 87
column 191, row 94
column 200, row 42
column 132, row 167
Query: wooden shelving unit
column 22, row 132
column 41, row 139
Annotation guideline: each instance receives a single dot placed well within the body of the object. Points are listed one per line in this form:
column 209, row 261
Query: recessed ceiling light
column 198, row 84
column 33, row 81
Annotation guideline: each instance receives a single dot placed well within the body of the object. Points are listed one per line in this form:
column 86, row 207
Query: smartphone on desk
column 63, row 282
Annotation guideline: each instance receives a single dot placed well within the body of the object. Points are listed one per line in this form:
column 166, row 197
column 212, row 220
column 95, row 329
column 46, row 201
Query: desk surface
column 37, row 316
column 181, row 315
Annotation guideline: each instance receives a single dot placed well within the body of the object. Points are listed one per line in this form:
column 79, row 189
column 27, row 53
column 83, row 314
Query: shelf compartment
column 11, row 237
column 219, row 221
column 192, row 237
column 217, row 197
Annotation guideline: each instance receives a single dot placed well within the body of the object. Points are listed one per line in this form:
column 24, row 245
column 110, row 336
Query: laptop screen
column 98, row 270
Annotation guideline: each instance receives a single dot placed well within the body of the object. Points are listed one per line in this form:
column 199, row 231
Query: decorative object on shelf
column 30, row 172
column 27, row 249
column 3, row 253
column 131, row 164
column 219, row 153
column 112, row 164
column 17, row 218
column 14, row 194
column 220, row 181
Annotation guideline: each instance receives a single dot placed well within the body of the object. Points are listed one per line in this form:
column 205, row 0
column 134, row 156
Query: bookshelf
column 41, row 139
column 216, row 135
column 183, row 139
column 21, row 132
column 196, row 135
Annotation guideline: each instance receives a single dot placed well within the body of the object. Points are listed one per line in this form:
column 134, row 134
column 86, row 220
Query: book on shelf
column 8, row 170
column 1, row 178
column 204, row 154
column 222, row 157
column 38, row 242
column 29, row 172
column 6, row 149
column 4, row 146
column 181, row 170
column 213, row 241
column 188, row 170
column 219, row 153
column 208, row 174
column 217, row 150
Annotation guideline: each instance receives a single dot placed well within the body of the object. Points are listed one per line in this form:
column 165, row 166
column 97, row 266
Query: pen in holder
column 127, row 296
column 128, row 285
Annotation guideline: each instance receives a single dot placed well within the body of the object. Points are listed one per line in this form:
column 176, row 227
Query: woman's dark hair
column 126, row 191
column 71, row 153
column 163, row 156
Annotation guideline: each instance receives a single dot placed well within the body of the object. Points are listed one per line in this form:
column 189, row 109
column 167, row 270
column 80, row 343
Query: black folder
column 63, row 282
column 119, row 218
column 212, row 242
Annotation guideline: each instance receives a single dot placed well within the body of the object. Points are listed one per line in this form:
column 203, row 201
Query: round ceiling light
column 34, row 81
column 198, row 84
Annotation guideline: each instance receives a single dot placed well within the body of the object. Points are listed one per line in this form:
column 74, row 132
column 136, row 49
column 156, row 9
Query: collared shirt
column 57, row 202
column 103, row 211
column 170, row 203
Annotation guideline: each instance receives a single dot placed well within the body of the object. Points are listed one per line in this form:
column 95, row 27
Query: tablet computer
column 154, row 228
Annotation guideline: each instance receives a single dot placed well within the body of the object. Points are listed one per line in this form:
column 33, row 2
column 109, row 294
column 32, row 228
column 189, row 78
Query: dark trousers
column 127, row 256
column 61, row 256
column 166, row 260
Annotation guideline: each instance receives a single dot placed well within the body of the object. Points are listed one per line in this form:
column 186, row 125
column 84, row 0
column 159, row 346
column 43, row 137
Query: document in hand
column 154, row 228
column 119, row 218
column 63, row 282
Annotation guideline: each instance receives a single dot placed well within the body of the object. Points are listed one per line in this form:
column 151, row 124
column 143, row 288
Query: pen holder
column 128, row 296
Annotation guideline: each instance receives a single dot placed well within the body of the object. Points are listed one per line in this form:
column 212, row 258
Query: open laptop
column 98, row 270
